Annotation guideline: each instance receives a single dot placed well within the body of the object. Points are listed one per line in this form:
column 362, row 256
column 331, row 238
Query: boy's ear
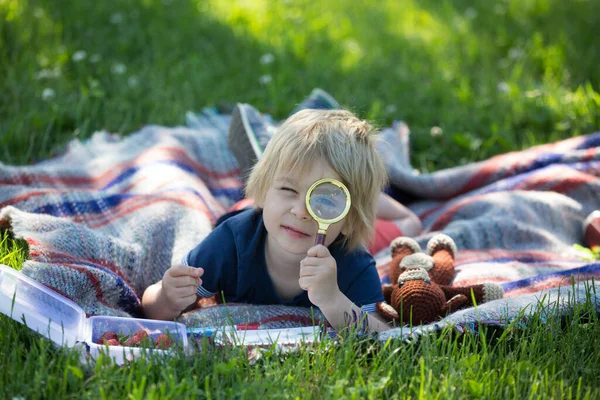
column 345, row 230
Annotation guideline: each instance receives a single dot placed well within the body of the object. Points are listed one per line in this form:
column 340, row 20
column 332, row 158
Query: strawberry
column 108, row 335
column 163, row 342
column 132, row 342
column 114, row 342
column 141, row 334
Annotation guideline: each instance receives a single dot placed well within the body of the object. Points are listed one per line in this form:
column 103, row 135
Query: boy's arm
column 342, row 313
column 167, row 298
column 182, row 284
column 318, row 276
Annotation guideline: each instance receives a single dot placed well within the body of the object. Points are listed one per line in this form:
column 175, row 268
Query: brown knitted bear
column 419, row 292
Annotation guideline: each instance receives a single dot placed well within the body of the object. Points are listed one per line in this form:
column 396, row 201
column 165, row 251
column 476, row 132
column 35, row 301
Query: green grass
column 551, row 358
column 494, row 76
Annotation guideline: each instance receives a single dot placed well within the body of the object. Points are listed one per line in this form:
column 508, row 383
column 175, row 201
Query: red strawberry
column 163, row 342
column 141, row 334
column 132, row 342
column 109, row 335
column 114, row 342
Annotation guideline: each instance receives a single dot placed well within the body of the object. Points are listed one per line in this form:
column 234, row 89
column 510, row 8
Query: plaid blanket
column 106, row 219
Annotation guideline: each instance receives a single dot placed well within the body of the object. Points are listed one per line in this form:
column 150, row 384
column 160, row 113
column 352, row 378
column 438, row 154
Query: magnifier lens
column 328, row 201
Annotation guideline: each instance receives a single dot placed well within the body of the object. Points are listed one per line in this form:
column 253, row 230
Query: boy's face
column 289, row 225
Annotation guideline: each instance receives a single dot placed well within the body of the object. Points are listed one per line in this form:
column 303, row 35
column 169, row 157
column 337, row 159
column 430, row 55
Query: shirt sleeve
column 365, row 289
column 217, row 255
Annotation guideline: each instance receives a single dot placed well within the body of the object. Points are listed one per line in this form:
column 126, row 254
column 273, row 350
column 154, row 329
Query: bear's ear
column 441, row 242
column 404, row 246
column 442, row 250
column 401, row 247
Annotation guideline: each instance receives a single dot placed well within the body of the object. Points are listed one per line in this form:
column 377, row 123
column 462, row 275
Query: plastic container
column 64, row 322
column 284, row 337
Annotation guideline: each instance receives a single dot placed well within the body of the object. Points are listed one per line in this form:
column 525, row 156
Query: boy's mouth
column 294, row 232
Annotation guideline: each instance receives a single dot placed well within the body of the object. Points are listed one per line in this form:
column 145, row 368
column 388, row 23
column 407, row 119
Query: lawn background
column 471, row 79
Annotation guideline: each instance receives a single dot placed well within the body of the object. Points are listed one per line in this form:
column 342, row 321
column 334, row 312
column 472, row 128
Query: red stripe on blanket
column 445, row 218
column 487, row 170
column 591, row 153
column 93, row 280
column 131, row 205
column 549, row 182
column 29, row 195
column 473, row 256
column 549, row 283
column 480, row 279
column 513, row 162
column 150, row 155
column 553, row 180
column 59, row 258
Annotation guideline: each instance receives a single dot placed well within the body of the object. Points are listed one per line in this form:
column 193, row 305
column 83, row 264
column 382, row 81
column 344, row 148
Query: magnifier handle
column 320, row 238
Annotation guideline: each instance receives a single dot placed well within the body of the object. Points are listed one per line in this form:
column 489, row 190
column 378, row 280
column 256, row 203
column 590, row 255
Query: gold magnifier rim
column 343, row 213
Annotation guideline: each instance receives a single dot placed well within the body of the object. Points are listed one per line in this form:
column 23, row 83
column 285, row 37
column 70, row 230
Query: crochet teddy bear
column 419, row 292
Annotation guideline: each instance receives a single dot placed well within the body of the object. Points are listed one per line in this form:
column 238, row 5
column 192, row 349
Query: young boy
column 249, row 135
column 267, row 255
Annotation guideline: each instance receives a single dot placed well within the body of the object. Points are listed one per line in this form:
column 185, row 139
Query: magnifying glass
column 328, row 202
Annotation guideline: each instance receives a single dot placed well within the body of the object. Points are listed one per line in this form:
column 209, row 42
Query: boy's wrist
column 331, row 303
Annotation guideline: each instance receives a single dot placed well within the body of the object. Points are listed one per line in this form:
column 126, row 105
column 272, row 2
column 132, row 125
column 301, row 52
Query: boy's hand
column 318, row 275
column 179, row 286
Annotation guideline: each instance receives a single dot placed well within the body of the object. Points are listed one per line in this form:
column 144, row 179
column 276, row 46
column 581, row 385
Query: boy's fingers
column 304, row 283
column 308, row 271
column 183, row 281
column 319, row 251
column 311, row 262
column 185, row 301
column 184, row 270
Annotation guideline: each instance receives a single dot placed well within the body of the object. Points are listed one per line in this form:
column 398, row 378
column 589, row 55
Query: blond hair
column 346, row 143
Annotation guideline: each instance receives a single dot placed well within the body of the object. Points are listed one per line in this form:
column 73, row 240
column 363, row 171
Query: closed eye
column 287, row 189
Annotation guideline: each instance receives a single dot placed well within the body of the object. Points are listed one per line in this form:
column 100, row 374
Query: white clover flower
column 436, row 131
column 471, row 13
column 503, row 87
column 116, row 18
column 515, row 53
column 94, row 58
column 390, row 109
column 79, row 55
column 265, row 79
column 267, row 58
column 531, row 94
column 133, row 81
column 43, row 60
column 118, row 69
column 48, row 94
column 48, row 73
column 352, row 46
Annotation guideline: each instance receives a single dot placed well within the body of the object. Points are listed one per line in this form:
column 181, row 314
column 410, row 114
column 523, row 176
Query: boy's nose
column 299, row 210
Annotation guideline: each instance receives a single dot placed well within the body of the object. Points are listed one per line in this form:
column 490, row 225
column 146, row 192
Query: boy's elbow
column 417, row 226
column 411, row 226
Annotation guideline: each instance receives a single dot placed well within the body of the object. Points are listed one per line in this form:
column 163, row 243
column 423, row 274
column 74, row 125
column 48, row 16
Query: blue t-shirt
column 233, row 258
